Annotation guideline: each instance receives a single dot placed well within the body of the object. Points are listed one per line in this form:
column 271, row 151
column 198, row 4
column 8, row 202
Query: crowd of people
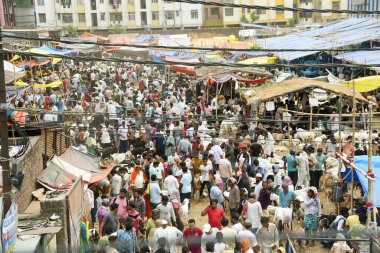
column 160, row 121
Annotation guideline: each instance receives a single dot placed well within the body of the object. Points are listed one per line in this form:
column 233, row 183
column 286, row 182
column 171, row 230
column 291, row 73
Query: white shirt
column 246, row 234
column 186, row 183
column 238, row 227
column 174, row 237
column 166, row 212
column 219, row 247
column 254, row 213
column 258, row 188
column 139, row 181
column 155, row 193
column 123, row 133
column 205, row 172
column 116, row 183
column 218, row 153
column 214, row 104
column 171, row 184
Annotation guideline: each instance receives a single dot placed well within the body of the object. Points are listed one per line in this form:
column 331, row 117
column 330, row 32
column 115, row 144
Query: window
column 154, row 1
column 67, row 18
column 155, row 15
column 80, row 2
column 81, row 17
column 102, row 1
column 177, row 13
column 142, row 4
column 336, row 5
column 41, row 2
column 118, row 17
column 42, row 17
column 280, row 11
column 259, row 12
column 59, row 16
column 229, row 12
column 194, row 14
column 167, row 2
column 169, row 15
column 306, row 14
column 131, row 16
column 102, row 16
column 57, row 1
column 66, row 3
column 214, row 11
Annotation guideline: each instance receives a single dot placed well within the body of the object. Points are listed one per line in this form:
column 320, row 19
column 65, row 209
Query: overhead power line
column 68, row 41
column 200, row 64
column 275, row 8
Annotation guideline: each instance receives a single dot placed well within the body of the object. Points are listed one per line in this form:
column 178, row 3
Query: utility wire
column 275, row 8
column 67, row 41
column 205, row 64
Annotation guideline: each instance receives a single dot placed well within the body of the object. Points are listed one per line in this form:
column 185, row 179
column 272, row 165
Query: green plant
column 72, row 31
column 117, row 29
column 244, row 20
column 291, row 22
column 21, row 2
column 254, row 17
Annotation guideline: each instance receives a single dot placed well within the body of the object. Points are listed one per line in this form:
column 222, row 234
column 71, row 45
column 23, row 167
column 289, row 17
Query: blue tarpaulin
column 353, row 31
column 362, row 163
column 56, row 51
column 361, row 57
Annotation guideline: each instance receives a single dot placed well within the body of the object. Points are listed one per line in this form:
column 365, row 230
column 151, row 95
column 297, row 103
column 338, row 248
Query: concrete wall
column 32, row 165
column 25, row 17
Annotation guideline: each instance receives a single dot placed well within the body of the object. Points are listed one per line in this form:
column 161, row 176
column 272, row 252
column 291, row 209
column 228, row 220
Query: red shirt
column 193, row 238
column 214, row 217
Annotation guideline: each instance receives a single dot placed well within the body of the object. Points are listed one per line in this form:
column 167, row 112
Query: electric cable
column 105, row 44
column 274, row 8
column 190, row 64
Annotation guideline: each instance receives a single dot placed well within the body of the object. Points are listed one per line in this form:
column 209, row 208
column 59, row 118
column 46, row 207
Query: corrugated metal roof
column 361, row 57
column 352, row 31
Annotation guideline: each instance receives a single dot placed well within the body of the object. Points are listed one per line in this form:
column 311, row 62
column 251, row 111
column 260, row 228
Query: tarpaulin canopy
column 189, row 70
column 361, row 57
column 12, row 68
column 205, row 71
column 259, row 60
column 353, row 31
column 62, row 170
column 90, row 35
column 221, row 78
column 189, row 58
column 362, row 84
column 362, row 163
column 14, row 92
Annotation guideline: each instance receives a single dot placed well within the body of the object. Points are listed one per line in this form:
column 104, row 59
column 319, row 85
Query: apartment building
column 364, row 5
column 103, row 14
column 274, row 17
column 7, row 17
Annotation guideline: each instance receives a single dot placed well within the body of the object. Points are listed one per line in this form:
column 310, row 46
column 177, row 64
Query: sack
column 337, row 194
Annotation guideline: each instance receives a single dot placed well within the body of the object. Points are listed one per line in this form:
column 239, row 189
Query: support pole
column 340, row 142
column 7, row 187
column 370, row 193
column 353, row 137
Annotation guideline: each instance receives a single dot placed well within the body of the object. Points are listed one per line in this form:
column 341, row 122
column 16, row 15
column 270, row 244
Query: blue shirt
column 321, row 159
column 125, row 242
column 152, row 171
column 286, row 199
column 291, row 162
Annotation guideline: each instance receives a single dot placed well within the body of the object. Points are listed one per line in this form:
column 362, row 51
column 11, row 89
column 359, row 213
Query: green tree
column 21, row 2
column 72, row 31
column 117, row 29
column 244, row 20
column 291, row 22
column 254, row 17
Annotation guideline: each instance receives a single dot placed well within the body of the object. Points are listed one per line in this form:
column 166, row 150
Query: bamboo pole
column 370, row 191
column 340, row 142
column 353, row 137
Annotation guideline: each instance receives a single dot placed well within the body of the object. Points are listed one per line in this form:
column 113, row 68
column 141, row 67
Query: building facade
column 103, row 14
column 7, row 17
column 364, row 5
column 25, row 15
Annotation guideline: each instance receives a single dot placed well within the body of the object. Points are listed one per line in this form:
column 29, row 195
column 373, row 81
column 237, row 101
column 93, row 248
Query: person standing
column 247, row 234
column 171, row 183
column 312, row 213
column 154, row 192
column 312, row 165
column 290, row 165
column 214, row 213
column 286, row 196
column 116, row 183
column 252, row 212
column 206, row 173
column 229, row 234
column 169, row 143
column 123, row 137
column 193, row 235
column 234, row 198
column 267, row 236
column 110, row 221
column 173, row 236
column 122, row 202
column 209, row 236
column 320, row 167
column 167, row 211
column 230, row 152
column 225, row 170
column 264, row 196
column 185, row 185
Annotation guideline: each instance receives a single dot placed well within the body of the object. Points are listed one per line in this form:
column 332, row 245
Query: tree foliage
column 254, row 17
column 117, row 29
column 72, row 31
